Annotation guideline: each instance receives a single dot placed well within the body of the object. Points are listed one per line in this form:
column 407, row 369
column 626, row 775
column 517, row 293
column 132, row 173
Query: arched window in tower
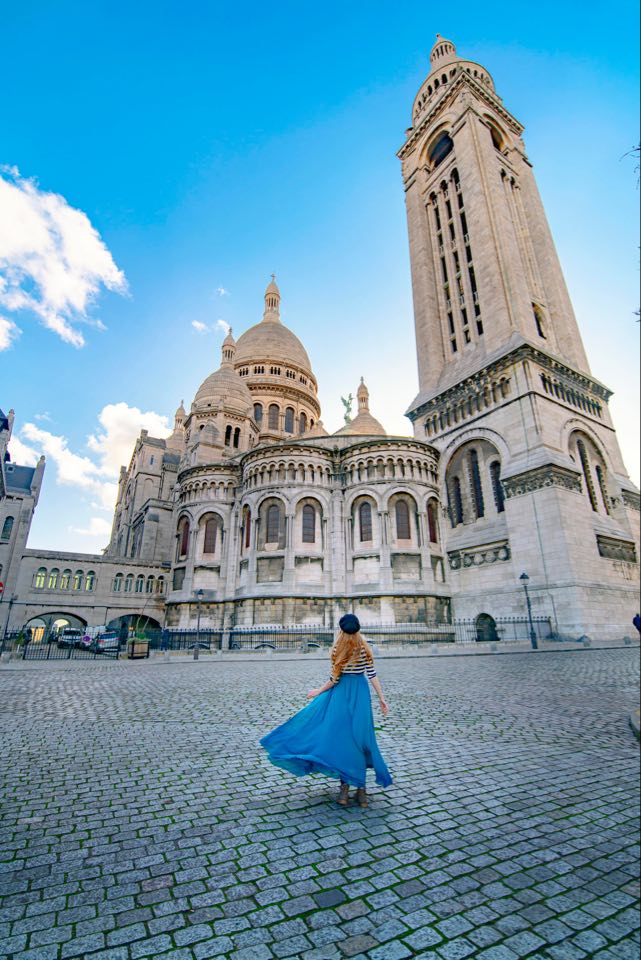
column 40, row 578
column 77, row 580
column 497, row 486
column 289, row 420
column 237, row 437
column 90, row 581
column 432, row 521
column 140, row 584
column 475, row 485
column 402, row 513
column 309, row 524
column 228, row 429
column 129, row 583
column 258, row 413
column 247, row 527
column 117, row 583
column 53, row 579
column 302, row 423
column 183, row 538
column 603, row 487
column 7, row 527
column 585, row 465
column 209, row 538
column 365, row 522
column 440, row 149
column 65, row 579
column 456, row 502
column 272, row 533
column 539, row 320
column 273, row 416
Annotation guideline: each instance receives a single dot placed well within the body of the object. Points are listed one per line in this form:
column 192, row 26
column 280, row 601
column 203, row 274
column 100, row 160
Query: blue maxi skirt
column 333, row 735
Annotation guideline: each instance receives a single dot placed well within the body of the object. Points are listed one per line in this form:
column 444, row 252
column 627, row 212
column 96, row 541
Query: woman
column 334, row 734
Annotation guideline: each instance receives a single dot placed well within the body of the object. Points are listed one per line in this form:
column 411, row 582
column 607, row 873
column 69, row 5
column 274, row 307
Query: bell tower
column 533, row 478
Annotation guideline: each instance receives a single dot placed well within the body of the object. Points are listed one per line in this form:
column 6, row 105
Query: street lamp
column 199, row 598
column 524, row 580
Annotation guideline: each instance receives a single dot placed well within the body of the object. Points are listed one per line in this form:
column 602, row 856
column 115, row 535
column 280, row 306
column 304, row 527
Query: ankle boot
column 343, row 795
column 361, row 797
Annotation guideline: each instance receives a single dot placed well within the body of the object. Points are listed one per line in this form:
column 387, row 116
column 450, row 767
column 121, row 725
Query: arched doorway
column 131, row 623
column 486, row 628
column 45, row 627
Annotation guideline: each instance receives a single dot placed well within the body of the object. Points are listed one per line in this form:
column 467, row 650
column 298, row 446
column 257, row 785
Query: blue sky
column 210, row 144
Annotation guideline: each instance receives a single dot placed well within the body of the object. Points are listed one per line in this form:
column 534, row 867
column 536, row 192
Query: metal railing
column 299, row 637
column 51, row 649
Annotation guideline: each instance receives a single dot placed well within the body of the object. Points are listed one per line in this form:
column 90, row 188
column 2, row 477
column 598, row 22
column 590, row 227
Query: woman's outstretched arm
column 326, row 686
column 376, row 683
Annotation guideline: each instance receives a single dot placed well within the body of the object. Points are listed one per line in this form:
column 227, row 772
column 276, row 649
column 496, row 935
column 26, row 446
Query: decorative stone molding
column 491, row 385
column 613, row 549
column 631, row 499
column 480, row 555
column 548, row 476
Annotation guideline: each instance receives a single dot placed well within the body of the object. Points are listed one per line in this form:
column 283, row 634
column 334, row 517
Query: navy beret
column 349, row 623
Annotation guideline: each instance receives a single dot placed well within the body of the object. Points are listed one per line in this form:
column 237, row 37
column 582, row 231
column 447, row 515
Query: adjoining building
column 250, row 513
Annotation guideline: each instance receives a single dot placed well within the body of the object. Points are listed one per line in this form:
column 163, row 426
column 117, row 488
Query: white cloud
column 121, row 426
column 52, row 260
column 8, row 333
column 98, row 527
column 43, row 417
column 222, row 292
column 112, row 445
column 223, row 325
column 199, row 326
column 21, row 453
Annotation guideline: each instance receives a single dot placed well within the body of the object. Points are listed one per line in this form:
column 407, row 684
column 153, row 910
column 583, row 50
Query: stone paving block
column 517, row 829
column 456, row 949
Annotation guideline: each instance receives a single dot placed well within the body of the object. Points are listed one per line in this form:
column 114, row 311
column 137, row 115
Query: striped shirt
column 356, row 667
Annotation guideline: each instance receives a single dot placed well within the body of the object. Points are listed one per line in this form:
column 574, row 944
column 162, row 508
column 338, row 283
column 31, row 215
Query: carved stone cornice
column 479, row 383
column 540, row 477
column 631, row 499
column 614, row 549
column 479, row 556
column 459, row 83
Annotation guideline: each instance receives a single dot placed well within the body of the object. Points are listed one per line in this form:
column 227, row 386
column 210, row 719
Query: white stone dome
column 270, row 339
column 224, row 387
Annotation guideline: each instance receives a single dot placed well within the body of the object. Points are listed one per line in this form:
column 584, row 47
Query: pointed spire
column 229, row 350
column 179, row 416
column 362, row 395
column 272, row 302
column 443, row 52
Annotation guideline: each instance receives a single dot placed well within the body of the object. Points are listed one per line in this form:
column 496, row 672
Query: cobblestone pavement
column 140, row 819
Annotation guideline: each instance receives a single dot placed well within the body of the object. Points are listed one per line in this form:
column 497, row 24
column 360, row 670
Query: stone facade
column 531, row 470
column 250, row 513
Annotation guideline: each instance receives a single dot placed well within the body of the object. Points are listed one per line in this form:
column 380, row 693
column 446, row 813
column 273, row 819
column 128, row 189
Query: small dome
column 224, row 384
column 363, row 424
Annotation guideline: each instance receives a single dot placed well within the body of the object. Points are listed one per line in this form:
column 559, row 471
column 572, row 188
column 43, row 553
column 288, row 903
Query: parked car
column 69, row 637
column 105, row 642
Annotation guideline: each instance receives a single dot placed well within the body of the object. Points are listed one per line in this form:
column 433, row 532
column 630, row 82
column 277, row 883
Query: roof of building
column 363, row 424
column 18, row 478
column 224, row 384
column 271, row 339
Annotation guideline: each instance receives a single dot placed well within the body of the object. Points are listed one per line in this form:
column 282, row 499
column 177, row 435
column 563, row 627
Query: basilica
column 250, row 513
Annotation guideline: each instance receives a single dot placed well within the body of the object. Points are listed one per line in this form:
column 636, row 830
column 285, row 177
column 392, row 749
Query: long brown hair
column 346, row 649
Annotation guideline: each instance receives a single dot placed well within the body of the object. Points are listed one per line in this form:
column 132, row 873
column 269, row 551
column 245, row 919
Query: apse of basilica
column 253, row 514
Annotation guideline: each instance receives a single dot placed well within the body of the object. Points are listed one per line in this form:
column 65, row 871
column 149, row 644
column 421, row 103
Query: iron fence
column 184, row 639
column 51, row 649
column 298, row 637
